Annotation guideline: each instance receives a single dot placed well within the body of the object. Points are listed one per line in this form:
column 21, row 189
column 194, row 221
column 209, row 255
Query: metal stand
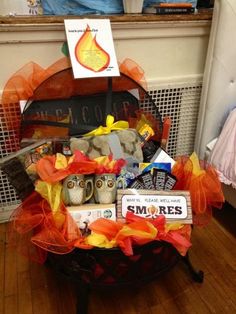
column 110, row 268
column 197, row 275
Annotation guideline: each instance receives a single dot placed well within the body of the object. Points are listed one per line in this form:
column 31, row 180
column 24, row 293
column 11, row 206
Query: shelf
column 202, row 14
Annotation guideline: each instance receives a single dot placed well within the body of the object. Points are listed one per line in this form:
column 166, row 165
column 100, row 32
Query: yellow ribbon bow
column 110, row 126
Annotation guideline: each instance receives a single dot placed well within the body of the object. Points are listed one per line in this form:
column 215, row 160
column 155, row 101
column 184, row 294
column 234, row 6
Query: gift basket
column 102, row 201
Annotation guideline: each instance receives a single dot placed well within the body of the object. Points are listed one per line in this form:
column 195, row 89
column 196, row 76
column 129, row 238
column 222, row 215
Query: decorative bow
column 110, row 126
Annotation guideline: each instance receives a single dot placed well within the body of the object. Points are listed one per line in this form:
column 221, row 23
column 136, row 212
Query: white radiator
column 179, row 101
column 8, row 144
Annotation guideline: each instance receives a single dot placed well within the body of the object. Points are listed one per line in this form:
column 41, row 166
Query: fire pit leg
column 197, row 275
column 82, row 290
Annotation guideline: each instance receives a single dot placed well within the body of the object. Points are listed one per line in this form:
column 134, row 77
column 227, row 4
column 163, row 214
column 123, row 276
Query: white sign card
column 91, row 48
column 170, row 206
column 174, row 205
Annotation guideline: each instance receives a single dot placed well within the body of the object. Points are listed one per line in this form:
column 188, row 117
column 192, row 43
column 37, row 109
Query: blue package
column 148, row 3
column 81, row 7
column 144, row 167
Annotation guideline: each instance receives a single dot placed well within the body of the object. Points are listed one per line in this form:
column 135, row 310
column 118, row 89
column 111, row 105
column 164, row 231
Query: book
column 169, row 8
column 173, row 4
column 174, row 10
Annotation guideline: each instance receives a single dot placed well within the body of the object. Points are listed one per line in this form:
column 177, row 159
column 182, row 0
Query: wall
column 166, row 51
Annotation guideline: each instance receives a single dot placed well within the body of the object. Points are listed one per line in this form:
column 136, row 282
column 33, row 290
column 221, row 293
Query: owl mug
column 77, row 189
column 105, row 187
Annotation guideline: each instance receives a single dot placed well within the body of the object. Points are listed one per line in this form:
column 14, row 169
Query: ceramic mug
column 77, row 189
column 105, row 187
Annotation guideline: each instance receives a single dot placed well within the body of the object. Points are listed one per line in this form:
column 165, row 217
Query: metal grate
column 181, row 103
column 8, row 144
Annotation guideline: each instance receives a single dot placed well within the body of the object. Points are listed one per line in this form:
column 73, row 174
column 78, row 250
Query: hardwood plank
column 211, row 297
column 139, row 301
column 2, row 232
column 10, row 287
column 1, row 304
column 37, row 275
column 40, row 301
column 150, row 293
column 96, row 305
column 122, row 300
column 166, row 288
column 2, row 260
column 22, row 263
column 215, row 258
column 24, row 293
column 188, row 303
column 52, row 291
column 68, row 299
column 171, row 306
column 226, row 243
column 11, row 304
column 112, row 302
column 158, row 309
column 2, row 265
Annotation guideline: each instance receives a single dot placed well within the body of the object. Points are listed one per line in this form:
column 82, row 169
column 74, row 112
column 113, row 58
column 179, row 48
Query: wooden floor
column 29, row 288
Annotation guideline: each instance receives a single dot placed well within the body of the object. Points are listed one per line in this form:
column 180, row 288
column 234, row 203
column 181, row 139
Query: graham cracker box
column 87, row 213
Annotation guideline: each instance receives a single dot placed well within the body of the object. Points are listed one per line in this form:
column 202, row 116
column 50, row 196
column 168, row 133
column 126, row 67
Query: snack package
column 146, row 166
column 159, row 178
column 121, row 144
column 170, row 181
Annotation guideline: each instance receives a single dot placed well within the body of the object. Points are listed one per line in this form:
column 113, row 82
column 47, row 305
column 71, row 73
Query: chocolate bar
column 146, row 180
column 136, row 184
column 170, row 181
column 18, row 177
column 159, row 178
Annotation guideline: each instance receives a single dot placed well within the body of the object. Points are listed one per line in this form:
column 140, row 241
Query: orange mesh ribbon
column 137, row 231
column 203, row 183
column 47, row 170
column 23, row 84
column 179, row 238
column 34, row 222
column 133, row 70
column 106, row 164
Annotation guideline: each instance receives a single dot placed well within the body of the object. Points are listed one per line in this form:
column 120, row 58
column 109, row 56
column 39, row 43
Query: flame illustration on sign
column 152, row 210
column 90, row 54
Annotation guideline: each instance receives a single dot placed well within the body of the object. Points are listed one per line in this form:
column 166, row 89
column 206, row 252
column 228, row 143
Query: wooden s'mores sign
column 174, row 205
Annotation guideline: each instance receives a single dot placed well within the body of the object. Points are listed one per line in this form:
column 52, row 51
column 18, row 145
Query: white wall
column 18, row 7
column 167, row 51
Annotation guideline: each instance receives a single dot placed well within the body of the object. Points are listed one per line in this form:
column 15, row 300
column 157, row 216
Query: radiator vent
column 8, row 144
column 181, row 103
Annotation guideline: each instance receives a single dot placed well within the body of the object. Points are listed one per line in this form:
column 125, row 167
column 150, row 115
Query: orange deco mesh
column 34, row 82
column 34, row 230
column 202, row 181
